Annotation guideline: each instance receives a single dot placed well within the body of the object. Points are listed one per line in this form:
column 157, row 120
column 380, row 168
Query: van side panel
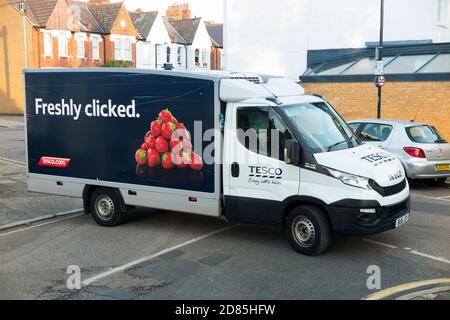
column 89, row 125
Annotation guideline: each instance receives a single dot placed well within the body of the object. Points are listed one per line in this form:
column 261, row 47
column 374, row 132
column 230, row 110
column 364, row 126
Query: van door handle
column 235, row 169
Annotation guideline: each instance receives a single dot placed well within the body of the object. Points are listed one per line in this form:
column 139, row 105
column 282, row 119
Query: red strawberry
column 167, row 162
column 141, row 156
column 174, row 120
column 153, row 158
column 161, row 145
column 144, row 146
column 167, row 130
column 147, row 135
column 196, row 162
column 173, row 145
column 165, row 116
column 180, row 126
column 155, row 128
column 150, row 142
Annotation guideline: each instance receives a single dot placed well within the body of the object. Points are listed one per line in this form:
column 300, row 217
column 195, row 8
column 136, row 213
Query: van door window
column 377, row 132
column 262, row 131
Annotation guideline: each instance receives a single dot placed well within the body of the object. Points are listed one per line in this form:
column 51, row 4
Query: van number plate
column 401, row 221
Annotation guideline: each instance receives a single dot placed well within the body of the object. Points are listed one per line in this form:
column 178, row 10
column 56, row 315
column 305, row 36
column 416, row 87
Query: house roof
column 28, row 13
column 175, row 37
column 187, row 28
column 40, row 11
column 105, row 13
column 216, row 34
column 85, row 17
column 143, row 21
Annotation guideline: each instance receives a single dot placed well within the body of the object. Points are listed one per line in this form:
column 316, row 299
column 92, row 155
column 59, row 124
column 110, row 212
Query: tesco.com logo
column 54, row 162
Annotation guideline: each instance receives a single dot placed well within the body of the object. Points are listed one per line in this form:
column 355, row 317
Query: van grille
column 388, row 191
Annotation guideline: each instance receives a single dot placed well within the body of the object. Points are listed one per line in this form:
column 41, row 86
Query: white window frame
column 168, row 54
column 443, row 13
column 204, row 58
column 63, row 44
column 123, row 47
column 96, row 39
column 48, row 44
column 179, row 61
column 118, row 50
column 80, row 40
column 127, row 50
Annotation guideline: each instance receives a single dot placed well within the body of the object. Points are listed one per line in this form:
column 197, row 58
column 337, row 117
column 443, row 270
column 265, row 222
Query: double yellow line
column 405, row 287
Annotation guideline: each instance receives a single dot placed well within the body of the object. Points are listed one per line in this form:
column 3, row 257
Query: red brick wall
column 427, row 102
column 216, row 58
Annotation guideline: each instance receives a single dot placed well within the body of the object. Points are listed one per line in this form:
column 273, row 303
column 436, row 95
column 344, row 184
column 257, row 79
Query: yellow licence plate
column 443, row 167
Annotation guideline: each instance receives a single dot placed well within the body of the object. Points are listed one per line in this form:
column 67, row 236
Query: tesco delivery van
column 247, row 148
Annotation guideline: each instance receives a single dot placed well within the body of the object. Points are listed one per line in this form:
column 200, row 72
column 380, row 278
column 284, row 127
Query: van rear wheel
column 308, row 230
column 106, row 208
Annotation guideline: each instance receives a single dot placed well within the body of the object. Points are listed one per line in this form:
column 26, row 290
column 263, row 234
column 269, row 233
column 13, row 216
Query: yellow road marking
column 404, row 287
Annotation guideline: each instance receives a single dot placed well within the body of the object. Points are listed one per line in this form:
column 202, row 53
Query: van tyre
column 106, row 208
column 308, row 230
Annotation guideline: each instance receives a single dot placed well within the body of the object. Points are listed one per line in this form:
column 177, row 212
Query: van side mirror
column 292, row 152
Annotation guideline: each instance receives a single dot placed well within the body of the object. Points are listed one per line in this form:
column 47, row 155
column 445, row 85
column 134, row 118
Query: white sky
column 207, row 9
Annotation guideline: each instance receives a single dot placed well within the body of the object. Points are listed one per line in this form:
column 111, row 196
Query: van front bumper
column 347, row 218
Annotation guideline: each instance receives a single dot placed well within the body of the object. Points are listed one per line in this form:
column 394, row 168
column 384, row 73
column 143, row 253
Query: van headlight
column 350, row 179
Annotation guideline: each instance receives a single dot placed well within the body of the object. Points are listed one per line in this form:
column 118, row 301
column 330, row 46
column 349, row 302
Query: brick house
column 215, row 31
column 59, row 33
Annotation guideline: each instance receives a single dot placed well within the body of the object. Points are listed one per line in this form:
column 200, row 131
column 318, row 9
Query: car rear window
column 425, row 134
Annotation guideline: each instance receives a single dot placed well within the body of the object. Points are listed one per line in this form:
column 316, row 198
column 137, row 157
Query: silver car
column 424, row 152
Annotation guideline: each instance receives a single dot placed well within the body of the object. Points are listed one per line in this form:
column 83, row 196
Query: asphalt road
column 167, row 255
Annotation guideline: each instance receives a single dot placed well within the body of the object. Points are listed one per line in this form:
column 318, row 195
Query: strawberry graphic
column 150, row 142
column 141, row 156
column 155, row 128
column 144, row 146
column 167, row 130
column 182, row 160
column 165, row 116
column 147, row 135
column 196, row 162
column 167, row 162
column 153, row 158
column 175, row 145
column 161, row 145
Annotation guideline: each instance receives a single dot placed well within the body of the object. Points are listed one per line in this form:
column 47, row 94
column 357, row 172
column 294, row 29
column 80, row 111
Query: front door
column 257, row 177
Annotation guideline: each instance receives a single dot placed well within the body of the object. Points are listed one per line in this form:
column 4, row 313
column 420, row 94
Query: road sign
column 379, row 68
column 380, row 81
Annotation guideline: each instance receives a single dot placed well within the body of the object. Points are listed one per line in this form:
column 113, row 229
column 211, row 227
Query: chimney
column 99, row 1
column 178, row 12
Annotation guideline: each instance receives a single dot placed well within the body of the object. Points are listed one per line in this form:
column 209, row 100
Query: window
column 262, row 131
column 48, row 44
column 197, row 57
column 425, row 134
column 62, row 44
column 408, row 64
column 375, row 132
column 179, row 56
column 168, row 52
column 126, row 47
column 147, row 53
column 122, row 49
column 205, row 57
column 95, row 48
column 354, row 126
column 443, row 8
column 157, row 55
column 118, row 49
column 441, row 64
column 80, row 45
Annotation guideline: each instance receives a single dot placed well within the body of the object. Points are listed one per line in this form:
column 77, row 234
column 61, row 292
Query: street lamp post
column 380, row 55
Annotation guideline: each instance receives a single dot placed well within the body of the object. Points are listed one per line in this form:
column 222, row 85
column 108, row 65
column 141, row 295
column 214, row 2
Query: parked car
column 424, row 152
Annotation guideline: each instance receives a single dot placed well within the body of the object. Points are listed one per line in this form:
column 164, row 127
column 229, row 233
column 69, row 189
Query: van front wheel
column 106, row 208
column 308, row 230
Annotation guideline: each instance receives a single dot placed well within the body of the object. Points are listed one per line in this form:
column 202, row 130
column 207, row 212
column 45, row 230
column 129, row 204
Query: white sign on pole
column 379, row 68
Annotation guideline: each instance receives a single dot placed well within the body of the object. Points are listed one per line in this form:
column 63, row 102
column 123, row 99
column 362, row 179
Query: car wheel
column 435, row 182
column 308, row 230
column 106, row 208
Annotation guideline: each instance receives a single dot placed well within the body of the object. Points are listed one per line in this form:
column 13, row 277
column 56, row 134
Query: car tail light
column 415, row 152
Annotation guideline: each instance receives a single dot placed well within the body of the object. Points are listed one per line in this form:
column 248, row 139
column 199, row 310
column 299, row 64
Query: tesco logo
column 54, row 162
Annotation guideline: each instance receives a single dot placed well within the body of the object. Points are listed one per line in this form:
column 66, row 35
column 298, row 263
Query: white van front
column 319, row 178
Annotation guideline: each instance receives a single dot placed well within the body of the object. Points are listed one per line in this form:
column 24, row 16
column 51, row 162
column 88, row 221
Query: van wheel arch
column 293, row 202
column 89, row 190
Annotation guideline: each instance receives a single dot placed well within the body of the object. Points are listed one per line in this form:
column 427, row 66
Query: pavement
column 169, row 255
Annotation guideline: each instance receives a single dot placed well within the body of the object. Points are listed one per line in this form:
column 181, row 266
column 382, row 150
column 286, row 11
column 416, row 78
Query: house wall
column 118, row 29
column 202, row 41
column 276, row 39
column 71, row 61
column 216, row 58
column 427, row 102
column 15, row 54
